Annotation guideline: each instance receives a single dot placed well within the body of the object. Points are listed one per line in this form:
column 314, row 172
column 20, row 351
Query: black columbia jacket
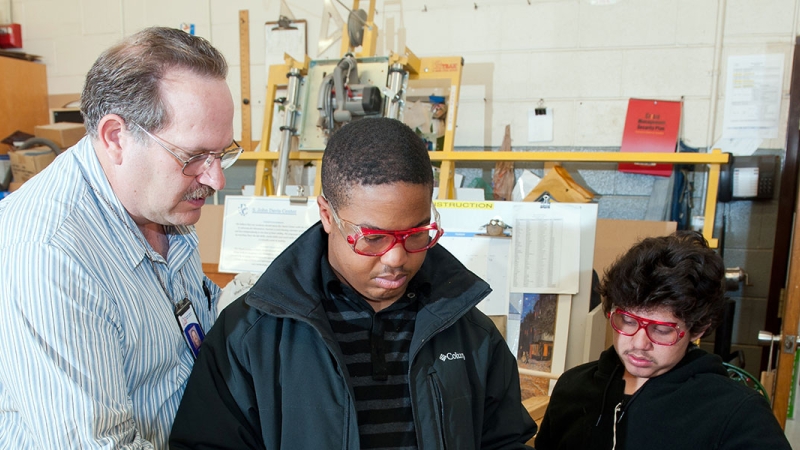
column 271, row 375
column 693, row 406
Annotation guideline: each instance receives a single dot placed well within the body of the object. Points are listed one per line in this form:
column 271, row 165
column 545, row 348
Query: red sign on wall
column 650, row 126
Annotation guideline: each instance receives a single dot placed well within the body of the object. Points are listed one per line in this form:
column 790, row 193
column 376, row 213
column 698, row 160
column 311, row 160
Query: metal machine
column 342, row 97
column 336, row 92
column 323, row 95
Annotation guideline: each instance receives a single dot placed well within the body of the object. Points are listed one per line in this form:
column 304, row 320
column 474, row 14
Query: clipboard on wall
column 283, row 38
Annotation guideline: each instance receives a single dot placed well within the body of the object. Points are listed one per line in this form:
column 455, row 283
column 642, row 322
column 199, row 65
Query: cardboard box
column 5, row 172
column 27, row 163
column 613, row 238
column 65, row 135
column 64, row 100
column 209, row 233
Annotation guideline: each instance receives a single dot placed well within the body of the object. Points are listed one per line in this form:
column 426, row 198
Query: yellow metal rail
column 715, row 157
column 448, row 158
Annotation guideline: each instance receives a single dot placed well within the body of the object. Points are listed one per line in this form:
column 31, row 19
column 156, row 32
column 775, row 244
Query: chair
column 742, row 376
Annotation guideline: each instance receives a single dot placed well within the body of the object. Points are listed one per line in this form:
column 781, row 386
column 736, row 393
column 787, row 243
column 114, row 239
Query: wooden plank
column 244, row 61
column 23, row 96
column 790, row 319
column 786, row 254
column 786, row 206
column 212, row 272
column 536, row 407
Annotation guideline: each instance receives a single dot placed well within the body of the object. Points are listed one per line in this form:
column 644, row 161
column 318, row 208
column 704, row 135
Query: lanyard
column 183, row 310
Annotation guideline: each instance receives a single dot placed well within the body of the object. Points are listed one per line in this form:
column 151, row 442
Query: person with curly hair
column 654, row 388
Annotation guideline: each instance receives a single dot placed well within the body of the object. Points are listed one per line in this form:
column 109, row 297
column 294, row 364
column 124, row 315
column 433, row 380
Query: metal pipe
column 787, row 344
column 396, row 76
column 734, row 276
column 765, row 337
column 288, row 129
column 715, row 75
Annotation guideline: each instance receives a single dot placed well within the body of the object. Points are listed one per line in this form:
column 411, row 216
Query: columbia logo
column 451, row 356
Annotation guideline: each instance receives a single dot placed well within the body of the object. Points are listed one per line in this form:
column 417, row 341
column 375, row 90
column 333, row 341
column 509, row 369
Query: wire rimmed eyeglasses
column 199, row 164
column 373, row 242
column 661, row 333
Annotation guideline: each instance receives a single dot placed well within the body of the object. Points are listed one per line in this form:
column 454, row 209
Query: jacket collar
column 451, row 289
column 293, row 283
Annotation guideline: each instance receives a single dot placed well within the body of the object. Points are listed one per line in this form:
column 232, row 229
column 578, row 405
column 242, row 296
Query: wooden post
column 244, row 62
column 787, row 346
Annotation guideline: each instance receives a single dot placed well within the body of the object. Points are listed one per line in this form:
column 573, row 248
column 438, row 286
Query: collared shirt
column 91, row 354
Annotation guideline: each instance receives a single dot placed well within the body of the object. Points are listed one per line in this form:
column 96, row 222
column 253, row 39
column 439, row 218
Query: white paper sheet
column 753, row 96
column 546, row 250
column 738, row 146
column 486, row 257
column 499, row 259
column 540, row 126
column 257, row 229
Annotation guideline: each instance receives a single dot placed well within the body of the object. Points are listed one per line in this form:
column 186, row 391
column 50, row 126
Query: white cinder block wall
column 583, row 58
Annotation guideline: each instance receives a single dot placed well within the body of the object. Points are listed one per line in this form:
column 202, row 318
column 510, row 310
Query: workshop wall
column 583, row 58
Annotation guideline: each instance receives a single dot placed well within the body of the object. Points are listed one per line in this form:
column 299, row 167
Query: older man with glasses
column 104, row 302
column 363, row 334
column 654, row 388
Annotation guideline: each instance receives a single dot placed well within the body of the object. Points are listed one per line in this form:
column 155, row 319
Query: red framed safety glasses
column 661, row 333
column 373, row 242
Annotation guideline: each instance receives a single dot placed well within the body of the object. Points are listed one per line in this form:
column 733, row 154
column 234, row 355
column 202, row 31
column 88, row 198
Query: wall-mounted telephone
column 748, row 178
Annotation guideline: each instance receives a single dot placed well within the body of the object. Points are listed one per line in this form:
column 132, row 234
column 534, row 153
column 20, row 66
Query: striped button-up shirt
column 91, row 354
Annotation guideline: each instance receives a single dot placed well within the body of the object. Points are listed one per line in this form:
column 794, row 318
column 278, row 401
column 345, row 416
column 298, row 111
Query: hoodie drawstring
column 605, row 394
column 617, row 409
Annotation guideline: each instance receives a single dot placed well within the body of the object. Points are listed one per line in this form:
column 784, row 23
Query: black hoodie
column 693, row 406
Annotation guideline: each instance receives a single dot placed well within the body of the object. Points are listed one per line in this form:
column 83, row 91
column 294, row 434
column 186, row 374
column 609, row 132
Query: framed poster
column 538, row 330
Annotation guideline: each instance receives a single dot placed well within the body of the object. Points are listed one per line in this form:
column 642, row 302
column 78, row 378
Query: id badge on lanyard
column 190, row 326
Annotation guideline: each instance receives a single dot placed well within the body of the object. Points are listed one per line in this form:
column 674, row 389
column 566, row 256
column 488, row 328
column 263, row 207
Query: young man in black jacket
column 363, row 333
column 654, row 389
